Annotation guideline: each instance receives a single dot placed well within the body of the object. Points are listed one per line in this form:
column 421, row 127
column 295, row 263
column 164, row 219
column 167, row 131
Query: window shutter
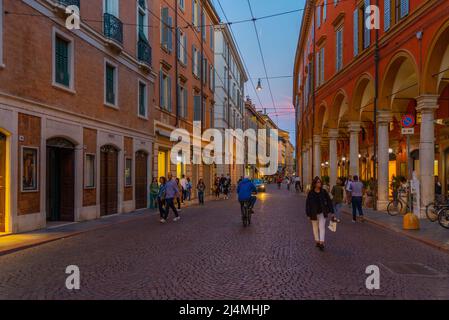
column 164, row 29
column 193, row 59
column 193, row 12
column 184, row 50
column 367, row 31
column 161, row 90
column 178, row 41
column 169, row 90
column 318, row 16
column 356, row 32
column 322, row 65
column 196, row 108
column 170, row 34
column 184, row 112
column 112, row 7
column 404, row 8
column 317, row 73
column 387, row 14
column 62, row 62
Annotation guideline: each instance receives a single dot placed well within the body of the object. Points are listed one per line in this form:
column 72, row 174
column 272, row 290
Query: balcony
column 113, row 31
column 61, row 5
column 144, row 54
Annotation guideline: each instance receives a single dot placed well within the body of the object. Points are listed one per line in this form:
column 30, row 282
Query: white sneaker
column 162, row 221
column 176, row 219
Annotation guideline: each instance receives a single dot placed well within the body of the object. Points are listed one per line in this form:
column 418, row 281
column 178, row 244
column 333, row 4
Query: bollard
column 410, row 222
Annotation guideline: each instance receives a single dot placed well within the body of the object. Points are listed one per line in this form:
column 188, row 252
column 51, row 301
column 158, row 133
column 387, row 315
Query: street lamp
column 259, row 86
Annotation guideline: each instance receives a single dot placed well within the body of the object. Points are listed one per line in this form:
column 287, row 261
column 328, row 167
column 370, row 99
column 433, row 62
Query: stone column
column 354, row 130
column 316, row 156
column 333, row 157
column 427, row 104
column 383, row 120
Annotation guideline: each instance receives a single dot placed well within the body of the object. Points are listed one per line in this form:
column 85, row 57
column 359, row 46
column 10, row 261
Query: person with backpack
column 201, row 187
column 318, row 207
column 337, row 198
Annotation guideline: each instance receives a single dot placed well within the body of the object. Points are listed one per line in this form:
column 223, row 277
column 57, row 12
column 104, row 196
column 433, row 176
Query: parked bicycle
column 443, row 217
column 433, row 208
column 398, row 205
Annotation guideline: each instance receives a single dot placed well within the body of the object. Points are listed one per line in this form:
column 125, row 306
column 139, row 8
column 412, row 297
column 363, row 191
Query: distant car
column 260, row 185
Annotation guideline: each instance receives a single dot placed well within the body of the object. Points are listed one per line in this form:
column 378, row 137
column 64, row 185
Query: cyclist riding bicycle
column 245, row 192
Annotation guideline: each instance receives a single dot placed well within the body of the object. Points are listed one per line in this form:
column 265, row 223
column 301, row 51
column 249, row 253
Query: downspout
column 376, row 99
column 177, row 38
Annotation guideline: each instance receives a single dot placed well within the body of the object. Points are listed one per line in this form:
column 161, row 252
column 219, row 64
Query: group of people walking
column 169, row 193
column 321, row 204
column 222, row 186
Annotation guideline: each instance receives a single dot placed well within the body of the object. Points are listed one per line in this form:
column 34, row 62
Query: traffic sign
column 408, row 131
column 408, row 121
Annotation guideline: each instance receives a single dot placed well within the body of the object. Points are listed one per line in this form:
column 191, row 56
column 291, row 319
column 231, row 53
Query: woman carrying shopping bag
column 318, row 207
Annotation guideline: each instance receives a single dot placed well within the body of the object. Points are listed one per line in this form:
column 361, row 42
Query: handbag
column 333, row 226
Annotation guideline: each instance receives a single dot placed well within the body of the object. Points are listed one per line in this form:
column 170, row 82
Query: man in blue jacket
column 245, row 191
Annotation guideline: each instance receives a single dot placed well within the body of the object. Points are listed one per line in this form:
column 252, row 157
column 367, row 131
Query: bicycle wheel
column 443, row 218
column 431, row 212
column 245, row 215
column 394, row 208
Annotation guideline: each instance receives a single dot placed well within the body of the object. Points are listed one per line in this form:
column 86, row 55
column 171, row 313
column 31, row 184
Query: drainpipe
column 376, row 99
column 176, row 64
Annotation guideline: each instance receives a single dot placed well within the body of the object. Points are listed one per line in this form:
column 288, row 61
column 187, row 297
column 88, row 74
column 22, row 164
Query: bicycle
column 433, row 208
column 443, row 217
column 396, row 206
column 246, row 213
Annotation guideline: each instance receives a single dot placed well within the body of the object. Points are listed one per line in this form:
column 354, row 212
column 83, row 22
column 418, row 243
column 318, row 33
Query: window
column 182, row 98
column 30, row 169
column 211, row 78
column 196, row 108
column 89, row 171
column 142, row 107
column 195, row 13
column 366, row 31
column 128, row 172
column 402, row 9
column 319, row 67
column 165, row 91
column 182, row 4
column 318, row 16
column 394, row 11
column 195, row 61
column 182, row 47
column 212, row 37
column 142, row 20
column 110, row 84
column 112, row 7
column 339, row 49
column 166, row 30
column 203, row 25
column 205, row 70
column 324, row 10
column 62, row 60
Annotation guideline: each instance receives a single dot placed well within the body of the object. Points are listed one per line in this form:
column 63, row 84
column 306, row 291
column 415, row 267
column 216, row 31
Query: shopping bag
column 333, row 226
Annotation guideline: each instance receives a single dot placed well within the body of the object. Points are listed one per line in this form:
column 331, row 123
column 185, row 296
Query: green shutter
column 62, row 75
column 110, row 85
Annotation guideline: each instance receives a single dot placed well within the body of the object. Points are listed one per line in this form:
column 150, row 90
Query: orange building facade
column 353, row 84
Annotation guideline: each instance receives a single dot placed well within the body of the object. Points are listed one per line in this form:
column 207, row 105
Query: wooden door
column 108, row 180
column 67, row 183
column 2, row 182
column 141, row 182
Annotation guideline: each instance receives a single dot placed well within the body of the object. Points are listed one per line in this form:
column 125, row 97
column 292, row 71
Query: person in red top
column 279, row 181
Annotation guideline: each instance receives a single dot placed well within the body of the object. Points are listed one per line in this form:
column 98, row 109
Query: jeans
column 169, row 203
column 356, row 206
column 178, row 201
column 201, row 197
column 153, row 201
column 337, row 208
column 319, row 228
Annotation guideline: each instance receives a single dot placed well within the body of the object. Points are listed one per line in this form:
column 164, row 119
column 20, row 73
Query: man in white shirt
column 184, row 187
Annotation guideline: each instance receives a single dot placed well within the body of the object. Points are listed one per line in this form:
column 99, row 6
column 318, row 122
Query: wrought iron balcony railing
column 67, row 3
column 144, row 52
column 113, row 28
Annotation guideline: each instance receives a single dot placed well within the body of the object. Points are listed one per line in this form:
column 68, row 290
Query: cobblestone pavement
column 209, row 255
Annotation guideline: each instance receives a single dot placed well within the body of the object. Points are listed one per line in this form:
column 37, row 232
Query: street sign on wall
column 408, row 131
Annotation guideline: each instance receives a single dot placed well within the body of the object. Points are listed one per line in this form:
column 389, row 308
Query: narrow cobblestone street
column 209, row 255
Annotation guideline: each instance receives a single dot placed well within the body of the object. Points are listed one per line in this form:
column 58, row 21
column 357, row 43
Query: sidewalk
column 430, row 233
column 16, row 242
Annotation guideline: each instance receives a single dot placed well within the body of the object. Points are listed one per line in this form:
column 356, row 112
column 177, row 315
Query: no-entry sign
column 408, row 121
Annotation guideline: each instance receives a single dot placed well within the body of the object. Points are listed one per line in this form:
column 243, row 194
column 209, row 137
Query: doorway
column 60, row 187
column 108, row 180
column 141, row 187
column 2, row 182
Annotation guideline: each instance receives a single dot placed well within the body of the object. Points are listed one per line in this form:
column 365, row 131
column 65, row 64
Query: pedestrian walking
column 179, row 197
column 226, row 187
column 348, row 189
column 279, row 182
column 154, row 191
column 201, row 187
column 188, row 189
column 183, row 183
column 171, row 192
column 217, row 188
column 161, row 199
column 337, row 198
column 318, row 207
column 356, row 188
